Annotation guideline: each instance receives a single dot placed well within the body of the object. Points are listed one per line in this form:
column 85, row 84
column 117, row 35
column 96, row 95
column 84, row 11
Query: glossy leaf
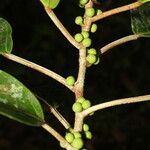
column 50, row 3
column 18, row 103
column 140, row 20
column 144, row 1
column 6, row 43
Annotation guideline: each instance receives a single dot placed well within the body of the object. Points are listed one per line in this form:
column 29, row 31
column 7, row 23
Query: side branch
column 119, row 42
column 116, row 11
column 37, row 68
column 116, row 103
column 63, row 30
column 58, row 137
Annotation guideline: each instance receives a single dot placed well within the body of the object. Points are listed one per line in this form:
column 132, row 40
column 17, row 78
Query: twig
column 58, row 137
column 60, row 117
column 119, row 42
column 116, row 11
column 37, row 68
column 63, row 30
column 116, row 103
column 55, row 112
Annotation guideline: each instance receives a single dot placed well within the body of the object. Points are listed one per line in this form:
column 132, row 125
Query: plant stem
column 60, row 118
column 55, row 112
column 63, row 30
column 79, row 86
column 119, row 42
column 37, row 68
column 58, row 136
column 116, row 103
column 116, row 11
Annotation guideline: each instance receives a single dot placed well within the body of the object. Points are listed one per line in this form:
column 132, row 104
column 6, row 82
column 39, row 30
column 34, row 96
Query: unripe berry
column 77, row 134
column 86, row 104
column 77, row 107
column 70, row 81
column 61, row 145
column 92, row 51
column 89, row 12
column 88, row 135
column 85, row 127
column 80, row 99
column 85, row 34
column 79, row 20
column 94, row 28
column 97, row 61
column 77, row 143
column 69, row 137
column 78, row 37
column 87, row 42
column 99, row 11
column 91, row 58
column 83, row 2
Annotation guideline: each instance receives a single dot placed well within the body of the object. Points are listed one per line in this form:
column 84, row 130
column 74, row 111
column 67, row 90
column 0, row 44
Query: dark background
column 123, row 72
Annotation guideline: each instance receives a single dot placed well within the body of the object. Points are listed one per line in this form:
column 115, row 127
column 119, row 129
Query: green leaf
column 6, row 43
column 18, row 103
column 140, row 20
column 50, row 3
column 144, row 1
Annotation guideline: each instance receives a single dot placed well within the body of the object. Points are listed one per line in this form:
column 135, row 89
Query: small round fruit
column 94, row 28
column 77, row 135
column 88, row 135
column 78, row 37
column 79, row 20
column 69, row 137
column 89, row 12
column 85, row 34
column 86, row 127
column 86, row 104
column 77, row 107
column 97, row 61
column 87, row 42
column 99, row 11
column 80, row 99
column 83, row 2
column 92, row 51
column 70, row 81
column 77, row 143
column 91, row 58
column 61, row 145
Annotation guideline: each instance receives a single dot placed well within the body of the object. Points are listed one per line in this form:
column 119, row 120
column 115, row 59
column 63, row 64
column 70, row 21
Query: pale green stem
column 63, row 30
column 53, row 132
column 37, row 68
column 116, row 11
column 118, row 102
column 119, row 42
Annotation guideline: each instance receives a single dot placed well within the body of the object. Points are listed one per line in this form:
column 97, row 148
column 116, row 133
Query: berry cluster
column 87, row 133
column 83, row 37
column 81, row 104
column 75, row 138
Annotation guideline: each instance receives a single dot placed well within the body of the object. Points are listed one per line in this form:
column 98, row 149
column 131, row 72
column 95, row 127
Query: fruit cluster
column 75, row 138
column 81, row 104
column 83, row 37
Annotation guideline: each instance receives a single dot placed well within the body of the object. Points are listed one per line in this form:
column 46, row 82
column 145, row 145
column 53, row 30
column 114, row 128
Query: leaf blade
column 6, row 42
column 140, row 20
column 50, row 3
column 18, row 103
